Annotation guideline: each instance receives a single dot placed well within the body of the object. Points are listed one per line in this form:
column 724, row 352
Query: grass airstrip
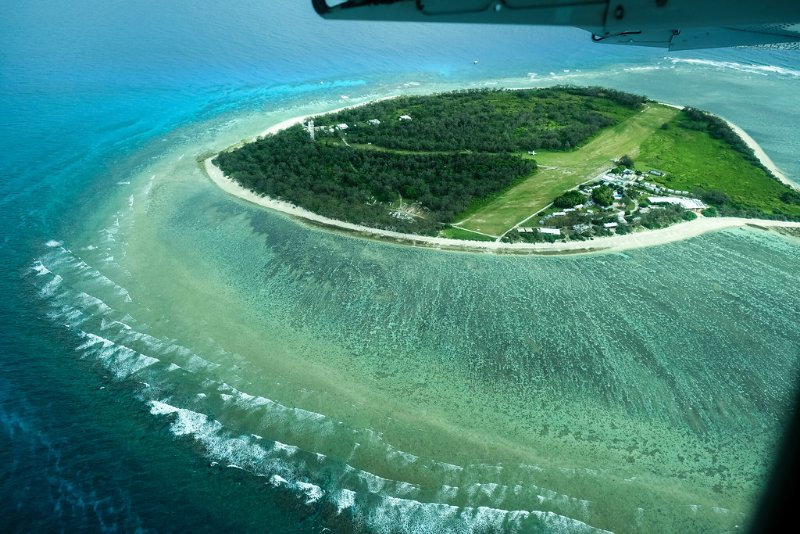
column 561, row 171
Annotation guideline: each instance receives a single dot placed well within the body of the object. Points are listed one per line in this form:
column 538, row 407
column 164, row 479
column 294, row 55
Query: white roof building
column 550, row 231
column 685, row 203
column 374, row 122
column 610, row 225
column 405, row 117
column 342, row 126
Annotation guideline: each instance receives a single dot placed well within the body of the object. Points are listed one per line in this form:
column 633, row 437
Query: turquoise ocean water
column 172, row 359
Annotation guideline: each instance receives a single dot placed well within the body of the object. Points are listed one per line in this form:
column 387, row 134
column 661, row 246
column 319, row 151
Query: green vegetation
column 487, row 121
column 459, row 233
column 536, row 237
column 413, row 193
column 475, row 164
column 791, row 197
column 569, row 199
column 560, row 171
column 669, row 215
column 626, row 161
column 702, row 155
column 453, row 157
column 603, row 196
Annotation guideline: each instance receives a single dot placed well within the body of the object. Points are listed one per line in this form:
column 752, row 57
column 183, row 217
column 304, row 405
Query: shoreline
column 616, row 243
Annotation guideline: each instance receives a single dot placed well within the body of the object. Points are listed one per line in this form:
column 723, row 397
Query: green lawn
column 460, row 233
column 694, row 159
column 560, row 171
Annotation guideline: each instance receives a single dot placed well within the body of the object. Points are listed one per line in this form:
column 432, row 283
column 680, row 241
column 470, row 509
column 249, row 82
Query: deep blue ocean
column 91, row 90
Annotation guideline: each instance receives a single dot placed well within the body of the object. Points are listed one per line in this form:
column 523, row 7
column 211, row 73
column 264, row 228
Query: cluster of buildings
column 613, row 216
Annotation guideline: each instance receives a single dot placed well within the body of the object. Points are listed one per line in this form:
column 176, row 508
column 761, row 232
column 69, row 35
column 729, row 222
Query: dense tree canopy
column 569, row 199
column 365, row 186
column 487, row 121
column 603, row 195
column 417, row 174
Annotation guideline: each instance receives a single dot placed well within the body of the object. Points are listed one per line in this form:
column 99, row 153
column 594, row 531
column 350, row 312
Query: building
column 342, row 126
column 686, row 203
column 405, row 117
column 610, row 226
column 310, row 129
column 374, row 122
column 655, row 172
column 550, row 231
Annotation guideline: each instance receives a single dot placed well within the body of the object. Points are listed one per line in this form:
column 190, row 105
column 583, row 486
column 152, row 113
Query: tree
column 569, row 199
column 791, row 197
column 626, row 161
column 603, row 196
column 718, row 198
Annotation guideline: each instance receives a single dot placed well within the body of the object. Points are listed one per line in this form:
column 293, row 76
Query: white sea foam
column 763, row 70
column 119, row 359
column 63, row 260
column 70, row 316
column 277, row 480
column 413, row 516
column 642, row 69
column 53, row 243
column 289, row 450
column 378, row 484
column 186, row 421
column 312, row 492
column 39, row 268
column 95, row 306
column 107, row 324
column 49, row 289
column 397, row 456
column 345, row 499
column 446, row 492
column 320, row 423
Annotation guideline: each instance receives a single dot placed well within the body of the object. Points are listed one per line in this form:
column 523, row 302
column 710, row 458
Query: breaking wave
column 324, row 464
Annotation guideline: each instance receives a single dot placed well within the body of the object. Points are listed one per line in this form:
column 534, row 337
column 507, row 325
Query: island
column 513, row 169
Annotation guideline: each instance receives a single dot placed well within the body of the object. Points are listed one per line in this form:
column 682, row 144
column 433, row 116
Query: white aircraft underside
column 672, row 24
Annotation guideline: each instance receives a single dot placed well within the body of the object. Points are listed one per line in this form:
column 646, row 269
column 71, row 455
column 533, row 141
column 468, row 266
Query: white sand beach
column 616, row 243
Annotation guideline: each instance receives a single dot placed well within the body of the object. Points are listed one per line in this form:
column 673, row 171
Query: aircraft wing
column 672, row 24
